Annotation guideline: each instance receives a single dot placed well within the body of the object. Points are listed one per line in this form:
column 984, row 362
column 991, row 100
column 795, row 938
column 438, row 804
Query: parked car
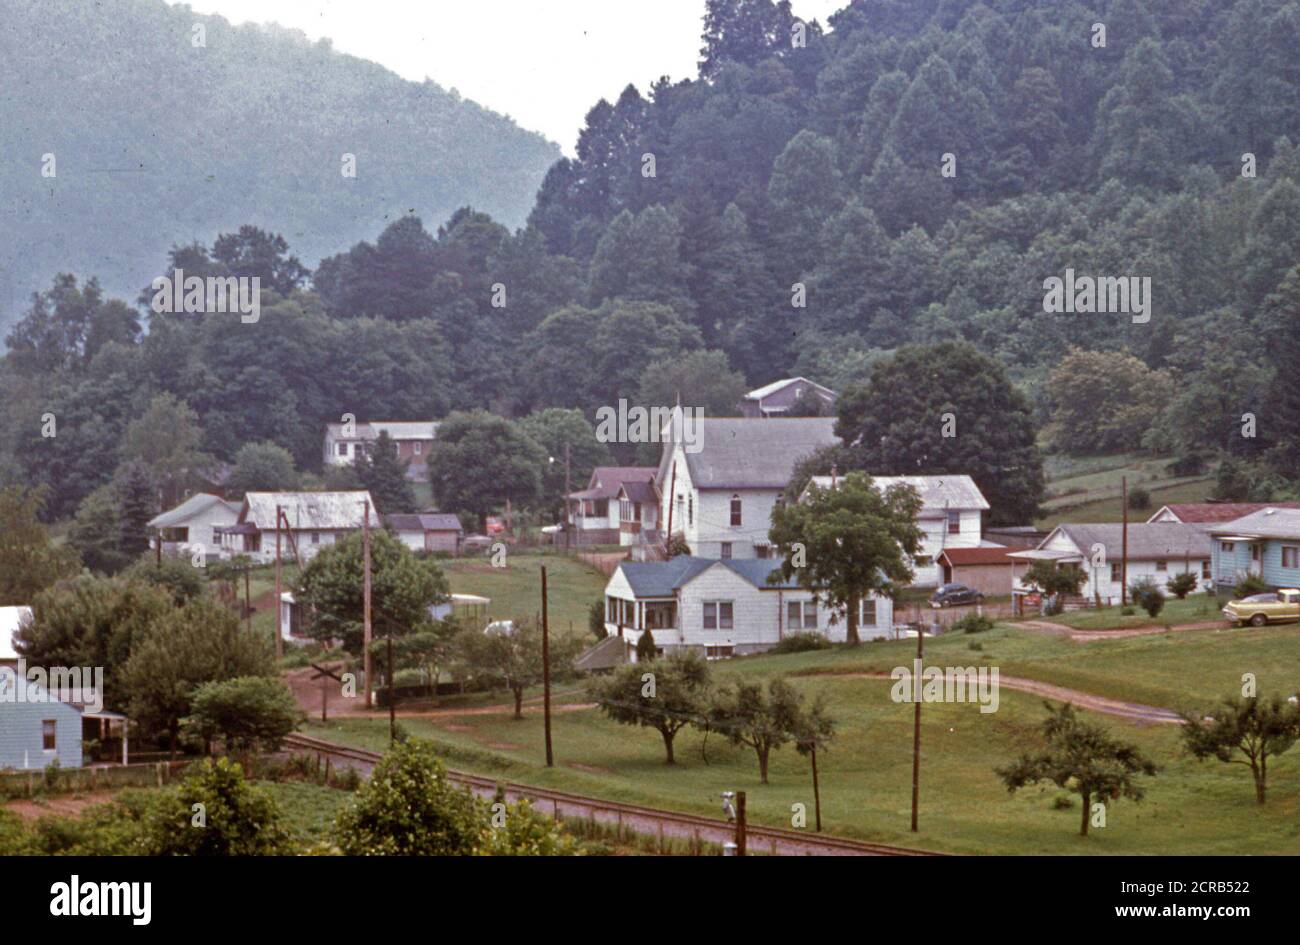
column 950, row 595
column 1259, row 609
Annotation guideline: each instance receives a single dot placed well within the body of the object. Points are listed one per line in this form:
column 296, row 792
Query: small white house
column 776, row 399
column 951, row 516
column 344, row 443
column 309, row 522
column 614, row 508
column 191, row 526
column 1156, row 550
column 724, row 607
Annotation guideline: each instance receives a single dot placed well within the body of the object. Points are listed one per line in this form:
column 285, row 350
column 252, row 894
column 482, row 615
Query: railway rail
column 643, row 820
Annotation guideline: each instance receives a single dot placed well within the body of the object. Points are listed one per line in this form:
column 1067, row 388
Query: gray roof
column 191, row 507
column 1146, row 540
column 310, row 510
column 767, row 390
column 937, row 492
column 754, row 453
column 606, row 480
column 423, row 522
column 663, row 578
column 1266, row 523
column 396, row 429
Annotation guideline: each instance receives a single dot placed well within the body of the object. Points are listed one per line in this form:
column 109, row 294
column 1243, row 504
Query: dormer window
column 735, row 511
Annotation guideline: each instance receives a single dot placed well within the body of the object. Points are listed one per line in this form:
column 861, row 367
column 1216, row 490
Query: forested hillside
column 157, row 140
column 785, row 211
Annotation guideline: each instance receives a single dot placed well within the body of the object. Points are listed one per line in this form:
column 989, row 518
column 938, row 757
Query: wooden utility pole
column 1123, row 566
column 279, row 650
column 392, row 696
column 817, row 794
column 248, row 601
column 567, row 456
column 916, row 726
column 546, row 674
column 365, row 605
column 740, row 823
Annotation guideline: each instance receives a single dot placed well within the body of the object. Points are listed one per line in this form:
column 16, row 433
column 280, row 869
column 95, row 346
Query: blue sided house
column 35, row 728
column 1265, row 543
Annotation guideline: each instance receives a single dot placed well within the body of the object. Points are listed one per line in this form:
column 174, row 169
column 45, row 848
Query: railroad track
column 635, row 818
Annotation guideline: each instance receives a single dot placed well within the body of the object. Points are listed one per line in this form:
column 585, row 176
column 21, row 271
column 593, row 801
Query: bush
column 972, row 623
column 645, row 648
column 1139, row 498
column 1180, row 585
column 1147, row 595
column 801, row 643
column 596, row 619
column 236, row 819
column 1251, row 584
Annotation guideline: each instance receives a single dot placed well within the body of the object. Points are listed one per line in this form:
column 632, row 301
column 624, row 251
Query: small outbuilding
column 987, row 568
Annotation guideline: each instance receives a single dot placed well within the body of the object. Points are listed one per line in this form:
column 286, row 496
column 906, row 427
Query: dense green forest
column 817, row 198
column 157, row 139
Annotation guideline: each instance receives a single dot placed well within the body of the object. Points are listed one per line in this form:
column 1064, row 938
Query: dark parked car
column 949, row 595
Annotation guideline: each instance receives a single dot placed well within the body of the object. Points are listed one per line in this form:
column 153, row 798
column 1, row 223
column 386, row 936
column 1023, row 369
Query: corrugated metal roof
column 976, row 556
column 609, row 653
column 937, row 492
column 423, row 522
column 191, row 507
column 1271, row 522
column 311, row 510
column 397, row 429
column 754, row 453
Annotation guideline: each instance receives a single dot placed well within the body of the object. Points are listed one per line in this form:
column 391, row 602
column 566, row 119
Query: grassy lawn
column 309, row 809
column 516, row 589
column 1197, row 608
column 1191, row 807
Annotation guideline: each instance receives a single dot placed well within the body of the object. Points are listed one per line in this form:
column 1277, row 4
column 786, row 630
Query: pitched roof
column 191, row 507
column 423, row 522
column 1146, row 540
column 964, row 557
column 937, row 492
column 311, row 510
column 767, row 390
column 1270, row 522
column 1214, row 512
column 755, row 453
column 397, row 429
column 639, row 491
column 663, row 578
column 606, row 480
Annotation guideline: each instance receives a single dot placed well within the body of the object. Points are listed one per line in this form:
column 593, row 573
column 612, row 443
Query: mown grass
column 1192, row 807
column 1112, row 509
column 516, row 589
column 1196, row 608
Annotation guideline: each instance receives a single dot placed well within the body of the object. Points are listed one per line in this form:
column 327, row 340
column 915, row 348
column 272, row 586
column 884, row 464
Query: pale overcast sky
column 543, row 63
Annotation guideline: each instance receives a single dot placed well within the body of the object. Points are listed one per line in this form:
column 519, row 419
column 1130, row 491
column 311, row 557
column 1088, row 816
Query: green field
column 1192, row 807
column 516, row 589
column 1112, row 509
column 309, row 809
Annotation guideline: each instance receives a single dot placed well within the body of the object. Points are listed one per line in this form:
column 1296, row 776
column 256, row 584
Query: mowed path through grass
column 1192, row 807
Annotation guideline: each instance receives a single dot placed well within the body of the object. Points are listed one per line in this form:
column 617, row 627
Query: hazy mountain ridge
column 250, row 128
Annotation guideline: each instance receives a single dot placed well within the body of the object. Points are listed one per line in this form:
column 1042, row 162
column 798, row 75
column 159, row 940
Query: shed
column 987, row 569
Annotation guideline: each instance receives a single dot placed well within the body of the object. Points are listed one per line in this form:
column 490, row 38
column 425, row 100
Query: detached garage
column 427, row 531
column 987, row 569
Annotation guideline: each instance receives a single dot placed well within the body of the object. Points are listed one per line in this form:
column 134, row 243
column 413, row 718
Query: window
column 49, row 734
column 690, row 510
column 923, row 561
column 717, row 615
column 1289, row 556
column 718, row 652
column 660, row 616
column 1162, row 565
column 869, row 616
column 417, row 447
column 954, row 523
column 1254, row 553
column 726, row 549
column 1205, row 570
column 763, row 551
column 315, row 538
column 801, row 615
column 735, row 511
column 1227, row 547
column 343, row 449
column 1116, row 572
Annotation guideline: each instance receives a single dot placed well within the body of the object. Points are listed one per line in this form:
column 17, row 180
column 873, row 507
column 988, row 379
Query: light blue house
column 36, row 729
column 1265, row 543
